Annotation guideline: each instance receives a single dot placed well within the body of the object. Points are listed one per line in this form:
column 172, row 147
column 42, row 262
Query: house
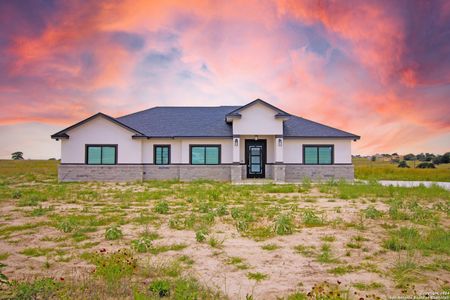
column 228, row 143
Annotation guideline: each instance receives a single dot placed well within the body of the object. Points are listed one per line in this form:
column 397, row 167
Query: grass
column 35, row 252
column 368, row 170
column 64, row 220
column 270, row 247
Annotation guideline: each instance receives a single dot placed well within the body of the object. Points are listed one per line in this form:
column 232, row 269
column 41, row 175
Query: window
column 101, row 154
column 205, row 154
column 318, row 154
column 161, row 154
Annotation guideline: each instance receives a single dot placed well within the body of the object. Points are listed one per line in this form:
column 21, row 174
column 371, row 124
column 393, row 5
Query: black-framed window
column 101, row 154
column 204, row 154
column 318, row 154
column 161, row 154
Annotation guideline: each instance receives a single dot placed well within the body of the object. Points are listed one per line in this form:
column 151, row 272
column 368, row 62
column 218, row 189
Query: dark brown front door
column 255, row 158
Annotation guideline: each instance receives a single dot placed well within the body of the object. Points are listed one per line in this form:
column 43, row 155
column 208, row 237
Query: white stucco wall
column 175, row 149
column 179, row 148
column 257, row 119
column 100, row 131
column 226, row 148
column 293, row 149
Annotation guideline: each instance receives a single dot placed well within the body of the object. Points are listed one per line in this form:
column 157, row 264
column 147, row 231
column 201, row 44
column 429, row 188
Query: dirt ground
column 286, row 269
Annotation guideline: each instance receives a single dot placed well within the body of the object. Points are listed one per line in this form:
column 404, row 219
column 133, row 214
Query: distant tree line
column 429, row 157
column 426, row 160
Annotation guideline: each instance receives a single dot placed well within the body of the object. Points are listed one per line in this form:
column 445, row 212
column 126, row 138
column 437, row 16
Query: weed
column 310, row 218
column 112, row 267
column 160, row 287
column 307, row 251
column 35, row 252
column 325, row 255
column 215, row 242
column 113, row 233
column 270, row 247
column 368, row 286
column 257, row 276
column 4, row 255
column 142, row 244
column 372, row 213
column 284, row 225
column 328, row 238
column 45, row 288
column 238, row 262
column 200, row 236
column 162, row 207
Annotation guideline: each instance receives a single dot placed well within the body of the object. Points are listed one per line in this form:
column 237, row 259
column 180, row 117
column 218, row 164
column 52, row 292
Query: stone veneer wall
column 142, row 172
column 100, row 173
column 295, row 173
column 278, row 172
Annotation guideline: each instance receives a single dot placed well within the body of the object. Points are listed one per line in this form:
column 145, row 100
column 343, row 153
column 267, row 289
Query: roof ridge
column 168, row 106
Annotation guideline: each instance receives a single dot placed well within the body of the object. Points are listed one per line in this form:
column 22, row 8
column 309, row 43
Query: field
column 209, row 240
column 368, row 170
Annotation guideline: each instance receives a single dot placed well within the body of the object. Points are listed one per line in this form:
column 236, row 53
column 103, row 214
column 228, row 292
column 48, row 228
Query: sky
column 378, row 69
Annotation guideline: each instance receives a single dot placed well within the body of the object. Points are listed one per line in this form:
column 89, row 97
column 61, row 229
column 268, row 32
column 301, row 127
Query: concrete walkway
column 445, row 185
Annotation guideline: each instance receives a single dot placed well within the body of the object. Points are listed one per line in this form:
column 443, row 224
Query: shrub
column 162, row 207
column 283, row 225
column 426, row 165
column 403, row 164
column 113, row 233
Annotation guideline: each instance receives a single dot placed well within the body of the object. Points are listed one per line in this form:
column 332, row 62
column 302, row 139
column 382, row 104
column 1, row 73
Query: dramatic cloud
column 380, row 69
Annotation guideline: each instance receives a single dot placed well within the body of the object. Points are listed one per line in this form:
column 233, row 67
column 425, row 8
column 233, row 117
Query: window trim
column 154, row 153
column 318, row 146
column 86, row 154
column 219, row 146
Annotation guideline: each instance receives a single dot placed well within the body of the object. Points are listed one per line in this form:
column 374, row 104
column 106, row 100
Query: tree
column 18, row 155
column 373, row 158
column 403, row 164
column 426, row 165
column 445, row 158
column 429, row 156
column 409, row 156
column 420, row 157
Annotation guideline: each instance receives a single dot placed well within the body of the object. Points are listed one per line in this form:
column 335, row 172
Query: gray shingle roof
column 173, row 121
column 176, row 121
column 210, row 122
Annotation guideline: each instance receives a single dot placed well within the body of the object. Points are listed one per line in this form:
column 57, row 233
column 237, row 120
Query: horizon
column 380, row 70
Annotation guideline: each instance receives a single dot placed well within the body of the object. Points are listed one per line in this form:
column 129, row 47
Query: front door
column 255, row 158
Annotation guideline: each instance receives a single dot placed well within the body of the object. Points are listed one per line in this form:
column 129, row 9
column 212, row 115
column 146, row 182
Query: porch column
column 279, row 169
column 236, row 168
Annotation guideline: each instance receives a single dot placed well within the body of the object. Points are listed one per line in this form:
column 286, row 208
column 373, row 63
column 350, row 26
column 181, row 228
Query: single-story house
column 229, row 143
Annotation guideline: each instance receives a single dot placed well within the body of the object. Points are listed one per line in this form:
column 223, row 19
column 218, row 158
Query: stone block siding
column 296, row 173
column 100, row 173
column 153, row 172
column 280, row 173
column 142, row 172
column 215, row 172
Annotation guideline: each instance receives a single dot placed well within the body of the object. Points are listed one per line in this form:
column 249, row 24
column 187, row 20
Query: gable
column 258, row 119
column 64, row 134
